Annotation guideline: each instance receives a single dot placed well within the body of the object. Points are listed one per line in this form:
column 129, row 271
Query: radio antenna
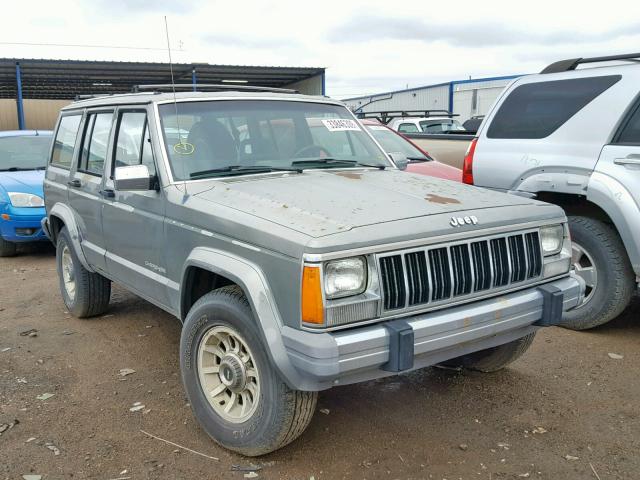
column 181, row 142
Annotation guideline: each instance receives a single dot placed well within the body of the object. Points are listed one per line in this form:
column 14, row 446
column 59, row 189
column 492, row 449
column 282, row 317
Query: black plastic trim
column 553, row 300
column 401, row 340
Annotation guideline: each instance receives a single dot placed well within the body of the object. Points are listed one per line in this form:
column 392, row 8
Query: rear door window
column 65, row 141
column 630, row 131
column 95, row 143
column 536, row 110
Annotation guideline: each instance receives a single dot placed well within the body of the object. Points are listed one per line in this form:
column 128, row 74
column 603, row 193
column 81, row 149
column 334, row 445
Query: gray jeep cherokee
column 294, row 251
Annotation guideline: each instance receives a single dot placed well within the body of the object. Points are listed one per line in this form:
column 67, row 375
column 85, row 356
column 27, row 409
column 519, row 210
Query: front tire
column 85, row 294
column 7, row 249
column 599, row 257
column 234, row 391
column 495, row 358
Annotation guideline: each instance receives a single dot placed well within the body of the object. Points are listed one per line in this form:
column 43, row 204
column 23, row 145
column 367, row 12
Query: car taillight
column 467, row 166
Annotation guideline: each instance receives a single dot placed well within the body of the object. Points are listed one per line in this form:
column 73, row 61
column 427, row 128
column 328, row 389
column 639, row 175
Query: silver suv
column 296, row 254
column 572, row 137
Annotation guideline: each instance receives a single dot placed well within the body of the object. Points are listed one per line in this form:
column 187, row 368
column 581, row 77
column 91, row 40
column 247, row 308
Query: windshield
column 391, row 142
column 219, row 138
column 440, row 126
column 25, row 152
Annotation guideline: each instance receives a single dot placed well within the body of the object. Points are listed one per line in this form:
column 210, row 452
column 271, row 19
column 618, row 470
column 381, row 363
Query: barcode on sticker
column 340, row 124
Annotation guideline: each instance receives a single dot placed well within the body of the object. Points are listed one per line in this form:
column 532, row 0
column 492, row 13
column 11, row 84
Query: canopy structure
column 45, row 79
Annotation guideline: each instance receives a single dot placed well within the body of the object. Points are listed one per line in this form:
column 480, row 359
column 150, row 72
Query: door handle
column 631, row 159
column 107, row 193
column 74, row 183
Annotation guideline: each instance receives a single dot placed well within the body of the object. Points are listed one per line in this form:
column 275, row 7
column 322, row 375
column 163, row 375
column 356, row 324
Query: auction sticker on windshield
column 340, row 124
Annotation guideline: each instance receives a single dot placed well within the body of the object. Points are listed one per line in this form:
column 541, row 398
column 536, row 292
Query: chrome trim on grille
column 514, row 260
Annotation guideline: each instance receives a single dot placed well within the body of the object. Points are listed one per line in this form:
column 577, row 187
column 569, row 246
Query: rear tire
column 85, row 294
column 235, row 393
column 7, row 249
column 600, row 258
column 495, row 358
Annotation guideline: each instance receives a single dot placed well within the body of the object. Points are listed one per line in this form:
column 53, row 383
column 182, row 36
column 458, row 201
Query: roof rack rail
column 386, row 116
column 80, row 97
column 572, row 63
column 210, row 87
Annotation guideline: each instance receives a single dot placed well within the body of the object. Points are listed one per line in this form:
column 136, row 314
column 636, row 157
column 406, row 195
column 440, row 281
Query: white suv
column 572, row 137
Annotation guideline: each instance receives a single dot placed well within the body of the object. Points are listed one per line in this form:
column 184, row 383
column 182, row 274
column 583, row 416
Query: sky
column 367, row 47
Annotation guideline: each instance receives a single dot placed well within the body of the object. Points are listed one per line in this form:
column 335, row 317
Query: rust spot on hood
column 433, row 198
column 352, row 176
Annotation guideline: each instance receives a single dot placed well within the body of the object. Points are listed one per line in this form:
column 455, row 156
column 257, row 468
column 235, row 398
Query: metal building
column 465, row 98
column 32, row 91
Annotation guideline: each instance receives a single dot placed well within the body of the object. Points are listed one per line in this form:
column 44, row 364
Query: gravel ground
column 567, row 410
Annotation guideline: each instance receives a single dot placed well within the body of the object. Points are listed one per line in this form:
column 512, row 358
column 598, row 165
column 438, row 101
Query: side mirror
column 400, row 159
column 134, row 177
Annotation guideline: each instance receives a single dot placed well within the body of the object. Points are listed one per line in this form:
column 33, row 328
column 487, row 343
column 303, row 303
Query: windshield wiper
column 20, row 169
column 418, row 159
column 240, row 170
column 335, row 162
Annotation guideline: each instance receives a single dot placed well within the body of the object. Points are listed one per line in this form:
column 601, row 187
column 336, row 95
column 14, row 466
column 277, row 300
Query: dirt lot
column 567, row 410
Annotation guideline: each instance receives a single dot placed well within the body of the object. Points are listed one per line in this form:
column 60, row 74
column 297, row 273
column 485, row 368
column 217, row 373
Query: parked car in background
column 419, row 161
column 572, row 137
column 23, row 158
column 433, row 124
column 296, row 254
column 472, row 125
column 445, row 139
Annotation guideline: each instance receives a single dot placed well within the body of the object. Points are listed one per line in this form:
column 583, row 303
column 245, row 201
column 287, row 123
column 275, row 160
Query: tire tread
column 621, row 285
column 93, row 291
column 298, row 408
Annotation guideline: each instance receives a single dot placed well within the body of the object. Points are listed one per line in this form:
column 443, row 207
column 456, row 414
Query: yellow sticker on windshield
column 184, row 148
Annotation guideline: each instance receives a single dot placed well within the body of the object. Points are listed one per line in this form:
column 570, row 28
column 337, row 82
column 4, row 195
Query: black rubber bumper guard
column 401, row 337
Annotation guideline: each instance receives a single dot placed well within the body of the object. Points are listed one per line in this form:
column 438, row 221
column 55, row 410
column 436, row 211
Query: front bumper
column 22, row 225
column 350, row 356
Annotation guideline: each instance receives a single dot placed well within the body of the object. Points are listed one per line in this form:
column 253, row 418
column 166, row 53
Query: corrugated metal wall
column 428, row 98
column 38, row 114
column 8, row 114
column 309, row 86
column 42, row 114
column 476, row 98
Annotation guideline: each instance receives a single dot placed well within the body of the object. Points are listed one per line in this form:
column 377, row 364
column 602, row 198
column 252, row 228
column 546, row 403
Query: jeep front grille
column 445, row 273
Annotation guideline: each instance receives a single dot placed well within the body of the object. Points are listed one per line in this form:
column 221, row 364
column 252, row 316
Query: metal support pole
column 324, row 85
column 194, row 79
column 19, row 99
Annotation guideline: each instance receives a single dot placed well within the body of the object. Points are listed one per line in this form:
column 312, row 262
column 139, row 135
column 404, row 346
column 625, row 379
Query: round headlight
column 346, row 277
column 551, row 239
column 21, row 199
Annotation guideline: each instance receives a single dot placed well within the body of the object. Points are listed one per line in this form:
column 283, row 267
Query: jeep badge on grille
column 459, row 221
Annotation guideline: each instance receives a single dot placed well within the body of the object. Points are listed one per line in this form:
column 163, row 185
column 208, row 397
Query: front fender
column 255, row 286
column 65, row 214
column 620, row 206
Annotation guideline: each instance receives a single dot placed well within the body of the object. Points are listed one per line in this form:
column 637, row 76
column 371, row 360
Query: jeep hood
column 324, row 202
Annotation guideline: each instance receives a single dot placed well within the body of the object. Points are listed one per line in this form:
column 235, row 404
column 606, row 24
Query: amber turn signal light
column 312, row 310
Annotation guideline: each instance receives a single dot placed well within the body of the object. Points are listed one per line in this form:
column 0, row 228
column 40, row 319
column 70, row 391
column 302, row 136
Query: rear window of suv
column 536, row 110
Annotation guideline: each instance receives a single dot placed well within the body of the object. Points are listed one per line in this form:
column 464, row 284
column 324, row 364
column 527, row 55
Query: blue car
column 23, row 158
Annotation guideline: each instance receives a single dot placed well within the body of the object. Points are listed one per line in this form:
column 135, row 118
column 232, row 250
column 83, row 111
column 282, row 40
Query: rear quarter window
column 630, row 131
column 65, row 141
column 408, row 128
column 536, row 110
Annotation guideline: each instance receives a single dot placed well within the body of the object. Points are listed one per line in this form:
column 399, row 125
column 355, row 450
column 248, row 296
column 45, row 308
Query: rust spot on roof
column 433, row 198
column 352, row 176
